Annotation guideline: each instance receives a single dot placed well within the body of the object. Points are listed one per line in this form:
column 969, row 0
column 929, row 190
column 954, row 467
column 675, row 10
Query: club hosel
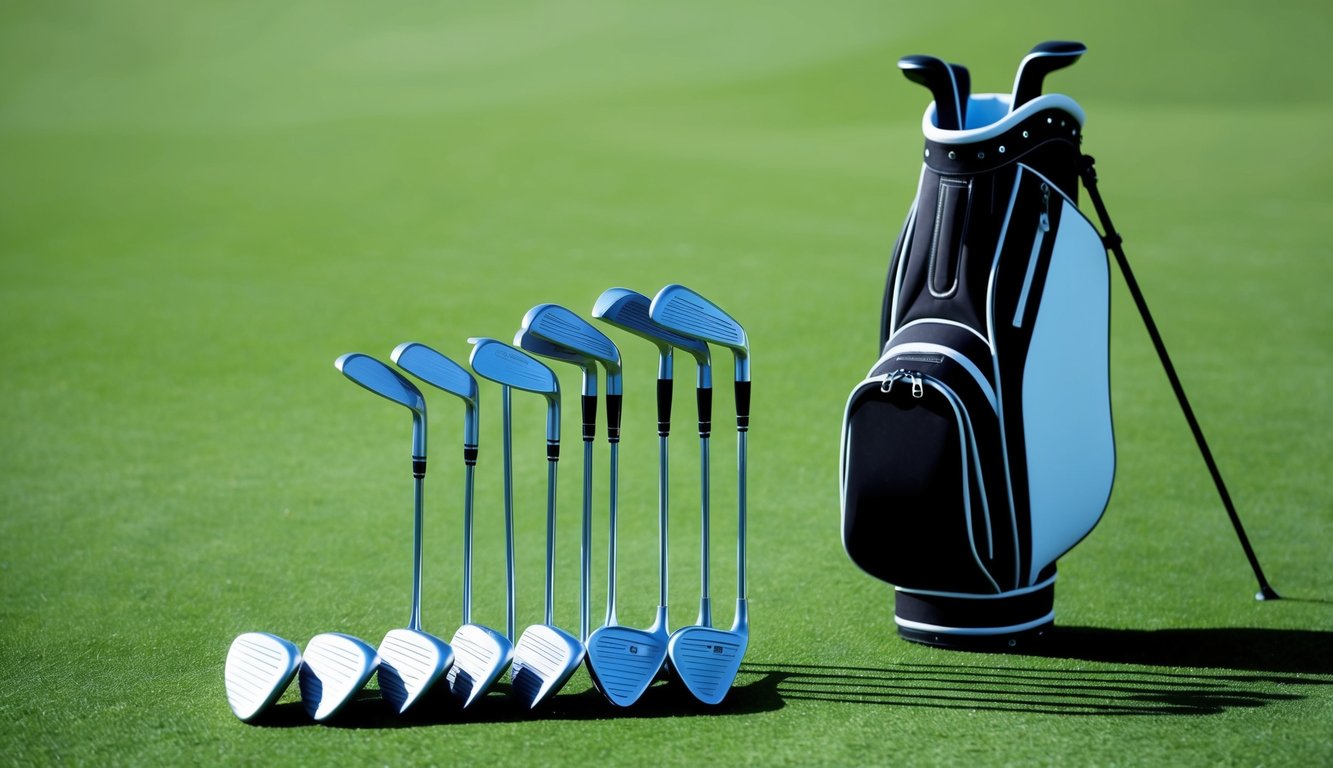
column 589, row 403
column 704, row 398
column 742, row 619
column 471, row 428
column 418, row 439
column 553, row 426
column 664, row 405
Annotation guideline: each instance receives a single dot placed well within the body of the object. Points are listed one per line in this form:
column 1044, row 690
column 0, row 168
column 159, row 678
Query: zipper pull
column 1045, row 221
column 918, row 390
column 887, row 384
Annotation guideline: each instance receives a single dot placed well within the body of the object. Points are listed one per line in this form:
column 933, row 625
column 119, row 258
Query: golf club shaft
column 663, row 462
column 704, row 398
column 550, row 542
column 469, row 472
column 418, row 483
column 611, row 544
column 740, row 521
column 664, row 382
column 507, row 417
column 585, row 547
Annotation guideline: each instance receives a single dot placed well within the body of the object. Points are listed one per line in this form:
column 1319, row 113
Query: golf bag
column 979, row 448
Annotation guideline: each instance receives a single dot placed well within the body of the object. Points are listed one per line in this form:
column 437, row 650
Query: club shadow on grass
column 1248, row 664
column 753, row 692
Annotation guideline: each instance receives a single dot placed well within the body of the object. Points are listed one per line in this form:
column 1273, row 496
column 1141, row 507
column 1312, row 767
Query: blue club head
column 443, row 373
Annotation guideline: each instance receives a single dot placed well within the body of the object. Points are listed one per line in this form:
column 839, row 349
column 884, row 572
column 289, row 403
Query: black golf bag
column 979, row 448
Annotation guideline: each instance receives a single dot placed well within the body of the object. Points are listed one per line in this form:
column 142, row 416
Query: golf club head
column 334, row 667
column 259, row 668
column 686, row 312
column 706, row 660
column 623, row 662
column 563, row 328
column 390, row 384
column 938, row 78
column 481, row 655
column 439, row 371
column 529, row 342
column 628, row 311
column 1043, row 59
column 411, row 662
column 503, row 364
column 544, row 659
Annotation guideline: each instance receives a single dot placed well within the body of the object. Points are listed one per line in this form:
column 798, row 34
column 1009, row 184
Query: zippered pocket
column 918, row 510
column 1038, row 240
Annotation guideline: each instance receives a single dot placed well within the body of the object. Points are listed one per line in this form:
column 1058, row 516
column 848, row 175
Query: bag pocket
column 924, row 504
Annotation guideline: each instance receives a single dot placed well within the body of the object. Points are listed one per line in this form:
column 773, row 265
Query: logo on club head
column 717, row 649
column 634, row 649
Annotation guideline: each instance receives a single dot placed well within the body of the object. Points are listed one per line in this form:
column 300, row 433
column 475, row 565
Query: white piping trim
column 926, row 347
column 975, row 631
column 996, row 102
column 968, row 596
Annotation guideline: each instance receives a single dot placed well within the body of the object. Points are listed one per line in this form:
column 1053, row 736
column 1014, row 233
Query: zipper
column 918, row 383
column 1043, row 226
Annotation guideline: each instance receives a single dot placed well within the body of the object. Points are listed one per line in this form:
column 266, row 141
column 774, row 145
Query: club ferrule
column 553, row 450
column 742, row 405
column 704, row 397
column 589, row 403
column 613, row 406
column 470, row 455
column 418, row 466
column 664, row 406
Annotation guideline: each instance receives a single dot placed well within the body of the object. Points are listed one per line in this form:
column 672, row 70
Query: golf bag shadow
column 979, row 448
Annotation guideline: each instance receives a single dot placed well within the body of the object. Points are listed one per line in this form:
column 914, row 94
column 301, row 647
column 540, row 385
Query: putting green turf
column 200, row 207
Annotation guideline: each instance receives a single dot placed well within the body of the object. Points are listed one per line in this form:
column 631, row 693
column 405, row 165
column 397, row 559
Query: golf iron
column 628, row 310
column 411, row 660
column 707, row 659
column 481, row 654
column 545, row 656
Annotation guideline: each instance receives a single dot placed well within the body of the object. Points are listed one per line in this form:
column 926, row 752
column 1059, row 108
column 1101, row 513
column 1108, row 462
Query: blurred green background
column 202, row 204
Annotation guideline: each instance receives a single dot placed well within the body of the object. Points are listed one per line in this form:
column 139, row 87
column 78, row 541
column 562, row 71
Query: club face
column 623, row 662
column 410, row 664
column 481, row 655
column 544, row 659
column 706, row 660
column 382, row 380
column 259, row 668
column 562, row 327
column 503, row 364
column 333, row 668
column 628, row 311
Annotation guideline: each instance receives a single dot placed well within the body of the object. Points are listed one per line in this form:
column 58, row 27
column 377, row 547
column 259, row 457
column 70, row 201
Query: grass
column 200, row 207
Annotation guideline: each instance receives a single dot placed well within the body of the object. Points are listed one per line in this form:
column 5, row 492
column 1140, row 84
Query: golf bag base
column 970, row 622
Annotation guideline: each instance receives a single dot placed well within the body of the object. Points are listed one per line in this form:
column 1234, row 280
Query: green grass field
column 201, row 205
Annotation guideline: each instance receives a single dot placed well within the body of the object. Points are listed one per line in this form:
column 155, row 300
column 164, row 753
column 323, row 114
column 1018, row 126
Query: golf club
column 939, row 78
column 707, row 660
column 259, row 668
column 622, row 661
column 545, row 655
column 962, row 83
column 628, row 310
column 410, row 660
column 481, row 654
column 527, row 341
column 1043, row 59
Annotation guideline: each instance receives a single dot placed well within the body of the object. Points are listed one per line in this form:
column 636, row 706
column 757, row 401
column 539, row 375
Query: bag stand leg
column 1112, row 241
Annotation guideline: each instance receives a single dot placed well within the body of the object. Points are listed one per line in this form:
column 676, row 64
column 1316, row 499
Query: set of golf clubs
column 951, row 84
column 622, row 661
